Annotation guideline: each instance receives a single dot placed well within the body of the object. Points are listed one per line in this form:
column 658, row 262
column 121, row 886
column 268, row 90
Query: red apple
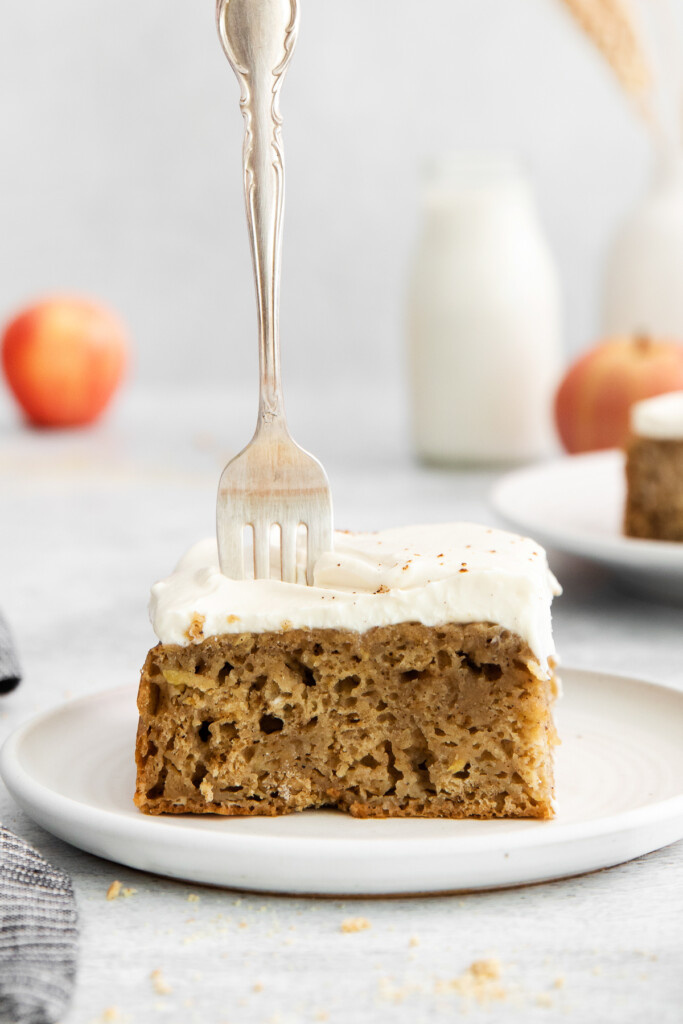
column 63, row 359
column 593, row 401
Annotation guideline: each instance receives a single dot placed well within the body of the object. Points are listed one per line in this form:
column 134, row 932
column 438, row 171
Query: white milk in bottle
column 484, row 318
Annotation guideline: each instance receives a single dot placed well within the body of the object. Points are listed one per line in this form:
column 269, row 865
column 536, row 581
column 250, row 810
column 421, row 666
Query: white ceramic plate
column 576, row 505
column 619, row 785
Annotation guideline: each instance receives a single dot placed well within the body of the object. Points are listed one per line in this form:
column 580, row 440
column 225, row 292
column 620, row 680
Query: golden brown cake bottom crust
column 654, row 498
column 404, row 720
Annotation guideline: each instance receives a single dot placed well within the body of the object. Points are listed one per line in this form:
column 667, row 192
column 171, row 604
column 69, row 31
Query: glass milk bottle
column 484, row 318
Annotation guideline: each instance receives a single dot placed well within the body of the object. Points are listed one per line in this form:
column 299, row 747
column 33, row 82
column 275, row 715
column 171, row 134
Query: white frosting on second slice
column 456, row 572
column 660, row 418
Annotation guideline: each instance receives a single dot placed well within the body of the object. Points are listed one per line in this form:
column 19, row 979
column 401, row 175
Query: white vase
column 484, row 318
column 643, row 282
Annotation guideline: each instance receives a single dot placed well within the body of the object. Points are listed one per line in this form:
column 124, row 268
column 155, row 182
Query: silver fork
column 272, row 482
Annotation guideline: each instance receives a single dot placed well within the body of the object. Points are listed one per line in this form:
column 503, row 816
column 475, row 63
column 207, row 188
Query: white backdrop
column 120, row 171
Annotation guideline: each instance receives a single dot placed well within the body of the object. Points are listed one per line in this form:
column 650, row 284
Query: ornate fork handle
column 258, row 37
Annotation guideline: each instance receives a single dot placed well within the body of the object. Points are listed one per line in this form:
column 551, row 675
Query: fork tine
column 319, row 539
column 288, row 551
column 261, row 549
column 230, row 547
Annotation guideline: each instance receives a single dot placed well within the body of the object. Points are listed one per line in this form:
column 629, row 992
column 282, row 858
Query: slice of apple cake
column 415, row 678
column 654, row 469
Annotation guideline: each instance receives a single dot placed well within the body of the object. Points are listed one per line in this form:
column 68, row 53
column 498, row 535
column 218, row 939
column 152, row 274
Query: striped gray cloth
column 38, row 935
column 10, row 676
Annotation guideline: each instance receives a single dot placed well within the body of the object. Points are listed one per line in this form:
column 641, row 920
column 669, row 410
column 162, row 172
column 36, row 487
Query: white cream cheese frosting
column 456, row 572
column 660, row 418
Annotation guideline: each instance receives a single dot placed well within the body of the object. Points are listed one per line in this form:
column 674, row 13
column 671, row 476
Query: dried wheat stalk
column 609, row 24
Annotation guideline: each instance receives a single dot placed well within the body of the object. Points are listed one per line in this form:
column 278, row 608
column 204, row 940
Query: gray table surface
column 89, row 520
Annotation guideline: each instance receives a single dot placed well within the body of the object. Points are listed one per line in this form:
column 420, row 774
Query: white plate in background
column 619, row 792
column 576, row 505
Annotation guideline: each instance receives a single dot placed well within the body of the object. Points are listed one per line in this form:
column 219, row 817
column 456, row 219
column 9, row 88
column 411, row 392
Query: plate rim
column 19, row 781
column 617, row 550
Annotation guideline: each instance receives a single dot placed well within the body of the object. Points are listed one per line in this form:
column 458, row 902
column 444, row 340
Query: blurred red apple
column 63, row 359
column 593, row 401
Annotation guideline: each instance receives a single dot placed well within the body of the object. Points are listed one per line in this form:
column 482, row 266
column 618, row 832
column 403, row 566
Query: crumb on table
column 355, row 924
column 114, row 890
column 161, row 986
column 480, row 981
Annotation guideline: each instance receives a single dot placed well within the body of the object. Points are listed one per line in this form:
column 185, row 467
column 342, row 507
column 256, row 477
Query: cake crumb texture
column 402, row 720
column 654, row 489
